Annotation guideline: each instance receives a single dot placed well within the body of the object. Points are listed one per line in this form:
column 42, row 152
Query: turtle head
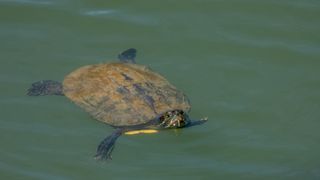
column 174, row 119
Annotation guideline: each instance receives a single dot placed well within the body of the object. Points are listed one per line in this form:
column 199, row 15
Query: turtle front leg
column 45, row 87
column 197, row 122
column 106, row 146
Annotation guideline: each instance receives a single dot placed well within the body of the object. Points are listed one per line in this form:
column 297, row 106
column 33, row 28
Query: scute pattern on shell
column 123, row 94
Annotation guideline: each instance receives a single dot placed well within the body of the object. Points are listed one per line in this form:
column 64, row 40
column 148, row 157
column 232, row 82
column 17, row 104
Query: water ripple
column 121, row 16
column 33, row 2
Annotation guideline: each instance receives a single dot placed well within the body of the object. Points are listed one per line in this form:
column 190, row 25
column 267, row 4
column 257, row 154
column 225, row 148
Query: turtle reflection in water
column 130, row 97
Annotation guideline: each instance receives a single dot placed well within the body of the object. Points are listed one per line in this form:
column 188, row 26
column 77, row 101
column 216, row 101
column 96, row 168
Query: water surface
column 252, row 67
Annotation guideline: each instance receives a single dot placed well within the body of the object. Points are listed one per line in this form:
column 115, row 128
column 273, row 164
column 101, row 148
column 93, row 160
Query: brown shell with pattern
column 123, row 94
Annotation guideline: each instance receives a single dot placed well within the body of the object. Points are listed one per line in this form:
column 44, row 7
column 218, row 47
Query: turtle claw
column 104, row 153
column 198, row 122
column 204, row 119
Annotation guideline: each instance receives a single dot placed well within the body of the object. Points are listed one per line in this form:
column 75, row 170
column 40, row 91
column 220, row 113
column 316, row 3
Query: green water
column 252, row 67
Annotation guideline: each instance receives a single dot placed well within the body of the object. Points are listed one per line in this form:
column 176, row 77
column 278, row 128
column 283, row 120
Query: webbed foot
column 45, row 87
column 128, row 56
column 104, row 150
column 198, row 122
column 106, row 146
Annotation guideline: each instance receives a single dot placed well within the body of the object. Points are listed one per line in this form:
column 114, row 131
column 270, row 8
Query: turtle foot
column 128, row 56
column 198, row 122
column 104, row 150
column 45, row 87
column 106, row 146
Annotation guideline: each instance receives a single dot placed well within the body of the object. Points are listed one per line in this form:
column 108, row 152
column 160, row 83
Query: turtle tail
column 45, row 87
column 106, row 146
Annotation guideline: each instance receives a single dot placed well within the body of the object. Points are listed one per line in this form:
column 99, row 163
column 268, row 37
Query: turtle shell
column 123, row 94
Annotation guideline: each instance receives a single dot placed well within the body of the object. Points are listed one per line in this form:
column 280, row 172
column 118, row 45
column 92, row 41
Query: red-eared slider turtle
column 124, row 95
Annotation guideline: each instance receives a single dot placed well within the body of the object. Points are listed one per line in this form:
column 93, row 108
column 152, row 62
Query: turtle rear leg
column 45, row 87
column 128, row 56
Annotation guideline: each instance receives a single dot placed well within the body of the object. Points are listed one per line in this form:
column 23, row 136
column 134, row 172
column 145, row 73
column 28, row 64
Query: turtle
column 130, row 97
